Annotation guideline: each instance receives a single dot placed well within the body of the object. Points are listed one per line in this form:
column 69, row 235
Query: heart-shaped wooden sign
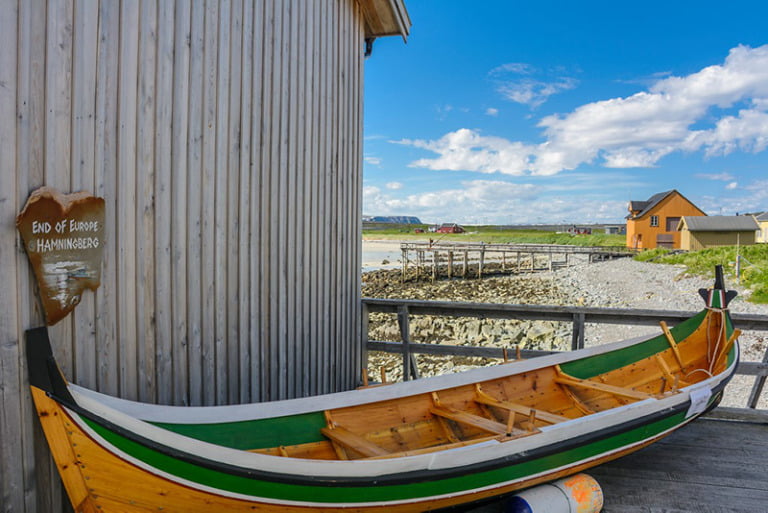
column 64, row 239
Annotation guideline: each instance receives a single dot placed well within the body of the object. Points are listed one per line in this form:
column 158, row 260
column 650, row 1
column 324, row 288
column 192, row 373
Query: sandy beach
column 381, row 254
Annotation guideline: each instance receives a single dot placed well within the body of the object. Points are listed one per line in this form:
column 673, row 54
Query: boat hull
column 122, row 476
column 408, row 447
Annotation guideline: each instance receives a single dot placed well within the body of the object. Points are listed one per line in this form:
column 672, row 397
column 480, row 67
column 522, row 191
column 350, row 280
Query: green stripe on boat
column 378, row 492
column 592, row 366
column 255, row 434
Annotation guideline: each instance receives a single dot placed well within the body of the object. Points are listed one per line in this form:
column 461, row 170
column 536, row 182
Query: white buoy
column 576, row 494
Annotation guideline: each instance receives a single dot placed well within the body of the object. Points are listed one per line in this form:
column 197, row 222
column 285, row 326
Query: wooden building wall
column 225, row 137
column 694, row 241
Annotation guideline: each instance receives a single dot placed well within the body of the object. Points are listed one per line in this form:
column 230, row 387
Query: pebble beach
column 620, row 283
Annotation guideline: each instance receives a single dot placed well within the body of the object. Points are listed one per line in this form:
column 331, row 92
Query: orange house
column 653, row 223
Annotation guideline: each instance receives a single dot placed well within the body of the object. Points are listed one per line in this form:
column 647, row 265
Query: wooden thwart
column 462, row 417
column 672, row 344
column 721, row 358
column 602, row 387
column 545, row 416
column 355, row 442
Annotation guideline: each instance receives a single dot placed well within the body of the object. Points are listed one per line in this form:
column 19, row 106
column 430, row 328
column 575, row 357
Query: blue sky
column 499, row 112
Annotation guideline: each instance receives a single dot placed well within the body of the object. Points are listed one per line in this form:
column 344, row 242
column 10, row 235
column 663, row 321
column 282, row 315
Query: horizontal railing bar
column 738, row 414
column 551, row 313
column 752, row 369
column 744, row 368
column 451, row 350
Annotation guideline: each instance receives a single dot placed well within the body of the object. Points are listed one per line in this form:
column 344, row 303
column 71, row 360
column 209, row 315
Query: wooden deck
column 709, row 466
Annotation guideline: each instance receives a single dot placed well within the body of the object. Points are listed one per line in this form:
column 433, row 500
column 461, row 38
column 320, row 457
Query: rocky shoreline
column 621, row 283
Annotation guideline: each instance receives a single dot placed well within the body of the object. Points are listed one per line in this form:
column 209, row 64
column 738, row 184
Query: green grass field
column 491, row 235
column 754, row 265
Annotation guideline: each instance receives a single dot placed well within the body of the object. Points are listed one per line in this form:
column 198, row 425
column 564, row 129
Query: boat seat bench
column 357, row 443
column 545, row 416
column 462, row 417
column 602, row 387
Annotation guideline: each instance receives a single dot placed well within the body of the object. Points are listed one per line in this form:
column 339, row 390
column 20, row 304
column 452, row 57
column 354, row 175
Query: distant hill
column 392, row 219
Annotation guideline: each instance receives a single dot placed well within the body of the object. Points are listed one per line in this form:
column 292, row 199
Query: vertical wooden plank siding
column 163, row 123
column 244, row 191
column 179, row 196
column 232, row 195
column 226, row 139
column 11, row 396
column 220, row 201
column 254, row 200
column 145, row 204
column 25, row 454
column 194, row 204
column 208, row 214
column 125, row 234
column 85, row 39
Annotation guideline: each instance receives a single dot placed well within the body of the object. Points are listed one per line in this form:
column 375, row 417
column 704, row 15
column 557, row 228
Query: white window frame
column 655, row 221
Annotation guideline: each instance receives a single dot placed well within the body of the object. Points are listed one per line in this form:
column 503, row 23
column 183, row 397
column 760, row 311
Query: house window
column 654, row 220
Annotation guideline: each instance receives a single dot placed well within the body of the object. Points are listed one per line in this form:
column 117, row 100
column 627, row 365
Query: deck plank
column 709, row 466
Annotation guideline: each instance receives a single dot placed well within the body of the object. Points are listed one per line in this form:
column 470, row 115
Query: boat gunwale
column 435, row 464
column 282, row 408
column 518, row 452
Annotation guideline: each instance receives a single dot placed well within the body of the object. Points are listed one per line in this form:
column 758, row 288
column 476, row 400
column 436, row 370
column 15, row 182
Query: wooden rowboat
column 412, row 446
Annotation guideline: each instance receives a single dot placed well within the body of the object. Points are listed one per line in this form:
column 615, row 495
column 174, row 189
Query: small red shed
column 450, row 228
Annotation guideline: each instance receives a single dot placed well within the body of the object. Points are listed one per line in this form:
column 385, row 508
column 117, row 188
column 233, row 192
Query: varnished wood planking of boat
column 413, row 446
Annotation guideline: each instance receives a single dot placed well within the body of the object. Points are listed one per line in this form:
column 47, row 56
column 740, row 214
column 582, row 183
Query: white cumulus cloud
column 632, row 131
column 525, row 84
column 498, row 202
column 721, row 177
column 394, row 186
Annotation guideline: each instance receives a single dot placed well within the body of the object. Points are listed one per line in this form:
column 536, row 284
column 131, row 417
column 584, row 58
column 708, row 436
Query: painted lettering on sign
column 64, row 239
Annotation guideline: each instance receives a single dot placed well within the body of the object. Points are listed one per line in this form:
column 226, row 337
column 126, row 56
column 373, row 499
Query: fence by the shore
column 465, row 259
column 578, row 316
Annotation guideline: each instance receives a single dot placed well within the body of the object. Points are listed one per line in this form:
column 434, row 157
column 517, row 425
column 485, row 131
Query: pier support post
column 404, row 257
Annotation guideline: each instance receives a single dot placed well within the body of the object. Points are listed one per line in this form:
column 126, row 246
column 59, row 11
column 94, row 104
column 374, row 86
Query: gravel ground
column 620, row 283
column 626, row 283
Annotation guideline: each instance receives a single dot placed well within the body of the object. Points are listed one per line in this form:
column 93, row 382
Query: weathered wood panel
column 225, row 137
column 686, row 472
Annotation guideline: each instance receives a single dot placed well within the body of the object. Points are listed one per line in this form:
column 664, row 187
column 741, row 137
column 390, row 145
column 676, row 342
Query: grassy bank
column 492, row 235
column 754, row 265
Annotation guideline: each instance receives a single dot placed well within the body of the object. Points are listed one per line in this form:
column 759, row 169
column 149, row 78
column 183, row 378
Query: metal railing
column 578, row 316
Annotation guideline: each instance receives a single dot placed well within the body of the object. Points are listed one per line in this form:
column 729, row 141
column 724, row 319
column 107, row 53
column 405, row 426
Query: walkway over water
column 456, row 258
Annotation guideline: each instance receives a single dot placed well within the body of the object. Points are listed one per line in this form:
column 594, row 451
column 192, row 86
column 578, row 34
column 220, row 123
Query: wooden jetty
column 457, row 258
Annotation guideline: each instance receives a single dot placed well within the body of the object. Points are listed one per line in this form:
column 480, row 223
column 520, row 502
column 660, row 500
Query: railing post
column 757, row 388
column 409, row 362
column 577, row 338
column 366, row 314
